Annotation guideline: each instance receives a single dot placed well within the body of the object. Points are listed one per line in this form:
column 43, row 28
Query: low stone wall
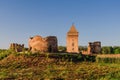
column 17, row 47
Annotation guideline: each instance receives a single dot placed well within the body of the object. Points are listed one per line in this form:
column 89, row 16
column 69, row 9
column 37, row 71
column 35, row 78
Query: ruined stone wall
column 39, row 44
column 52, row 44
column 94, row 47
column 97, row 47
column 17, row 47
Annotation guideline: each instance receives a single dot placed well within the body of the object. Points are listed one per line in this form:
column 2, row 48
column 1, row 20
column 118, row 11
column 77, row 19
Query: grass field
column 27, row 66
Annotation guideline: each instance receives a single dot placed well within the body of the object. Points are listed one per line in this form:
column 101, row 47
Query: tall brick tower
column 72, row 40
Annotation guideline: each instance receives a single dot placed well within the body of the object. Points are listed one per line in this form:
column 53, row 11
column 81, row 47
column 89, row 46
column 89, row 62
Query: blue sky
column 96, row 20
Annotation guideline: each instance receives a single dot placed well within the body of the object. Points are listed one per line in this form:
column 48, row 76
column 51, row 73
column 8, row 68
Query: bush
column 4, row 53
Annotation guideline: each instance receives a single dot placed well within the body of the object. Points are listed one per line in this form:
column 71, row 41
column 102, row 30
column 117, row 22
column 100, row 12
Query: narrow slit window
column 72, row 44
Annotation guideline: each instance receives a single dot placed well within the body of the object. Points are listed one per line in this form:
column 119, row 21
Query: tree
column 107, row 50
column 62, row 48
column 116, row 50
column 82, row 48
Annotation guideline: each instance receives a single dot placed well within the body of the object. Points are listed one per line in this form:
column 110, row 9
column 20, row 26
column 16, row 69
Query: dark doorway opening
column 50, row 49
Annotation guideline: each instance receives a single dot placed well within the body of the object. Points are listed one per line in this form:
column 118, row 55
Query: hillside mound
column 40, row 59
column 26, row 60
column 52, row 67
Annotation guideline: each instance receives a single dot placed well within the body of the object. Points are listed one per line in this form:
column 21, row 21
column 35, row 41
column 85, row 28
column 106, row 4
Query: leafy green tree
column 62, row 48
column 107, row 50
column 82, row 48
column 117, row 51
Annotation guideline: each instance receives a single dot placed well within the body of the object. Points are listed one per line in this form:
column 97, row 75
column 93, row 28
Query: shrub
column 4, row 53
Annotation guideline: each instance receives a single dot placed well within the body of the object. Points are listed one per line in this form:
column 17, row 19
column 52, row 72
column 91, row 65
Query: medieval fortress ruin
column 72, row 43
column 50, row 44
column 17, row 47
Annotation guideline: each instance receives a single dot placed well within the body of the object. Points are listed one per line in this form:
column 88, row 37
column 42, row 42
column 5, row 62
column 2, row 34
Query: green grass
column 25, row 66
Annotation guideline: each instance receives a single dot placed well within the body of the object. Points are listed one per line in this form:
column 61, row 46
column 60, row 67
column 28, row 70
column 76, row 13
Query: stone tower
column 72, row 40
column 94, row 47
